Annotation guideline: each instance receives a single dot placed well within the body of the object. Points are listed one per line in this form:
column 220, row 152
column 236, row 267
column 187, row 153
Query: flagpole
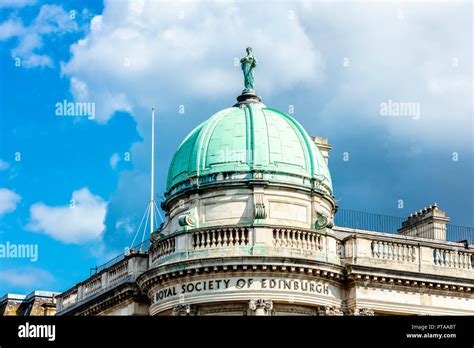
column 152, row 168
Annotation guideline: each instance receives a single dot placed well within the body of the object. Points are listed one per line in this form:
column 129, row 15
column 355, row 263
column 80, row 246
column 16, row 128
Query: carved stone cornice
column 107, row 300
column 434, row 284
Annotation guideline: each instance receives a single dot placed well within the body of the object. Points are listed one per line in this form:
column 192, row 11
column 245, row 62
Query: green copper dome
column 248, row 143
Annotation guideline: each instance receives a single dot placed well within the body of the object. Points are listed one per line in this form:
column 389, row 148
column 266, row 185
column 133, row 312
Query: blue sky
column 334, row 64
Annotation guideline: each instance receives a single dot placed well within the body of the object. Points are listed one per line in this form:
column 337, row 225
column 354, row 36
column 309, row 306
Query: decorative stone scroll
column 323, row 221
column 186, row 220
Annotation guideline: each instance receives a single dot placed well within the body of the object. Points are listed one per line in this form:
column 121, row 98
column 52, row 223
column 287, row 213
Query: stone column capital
column 184, row 310
column 329, row 310
column 361, row 312
column 260, row 306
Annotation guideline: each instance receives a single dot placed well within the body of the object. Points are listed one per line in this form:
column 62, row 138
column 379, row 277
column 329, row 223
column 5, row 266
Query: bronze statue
column 248, row 64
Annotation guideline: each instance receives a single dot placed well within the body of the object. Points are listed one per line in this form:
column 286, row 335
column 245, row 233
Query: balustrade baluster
column 225, row 240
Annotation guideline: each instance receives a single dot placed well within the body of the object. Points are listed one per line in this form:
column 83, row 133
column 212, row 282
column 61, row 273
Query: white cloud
column 114, row 159
column 4, row 165
column 8, row 201
column 405, row 58
column 51, row 19
column 27, row 277
column 79, row 222
column 11, row 28
column 138, row 54
column 126, row 225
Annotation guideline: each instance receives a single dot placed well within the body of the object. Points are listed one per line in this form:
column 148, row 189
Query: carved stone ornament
column 184, row 310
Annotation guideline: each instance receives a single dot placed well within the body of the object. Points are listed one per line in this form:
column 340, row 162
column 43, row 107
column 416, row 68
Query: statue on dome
column 248, row 64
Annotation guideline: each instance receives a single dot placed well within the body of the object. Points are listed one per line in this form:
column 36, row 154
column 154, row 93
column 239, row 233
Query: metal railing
column 367, row 221
column 455, row 233
column 390, row 224
column 139, row 248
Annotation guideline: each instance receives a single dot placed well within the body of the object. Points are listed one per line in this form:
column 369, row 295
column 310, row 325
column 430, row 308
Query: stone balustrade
column 125, row 270
column 396, row 252
column 299, row 239
column 453, row 258
column 118, row 272
column 226, row 237
column 163, row 248
column 241, row 241
column 92, row 286
column 393, row 251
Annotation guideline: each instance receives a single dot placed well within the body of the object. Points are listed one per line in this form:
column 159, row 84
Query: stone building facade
column 249, row 230
column 36, row 303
